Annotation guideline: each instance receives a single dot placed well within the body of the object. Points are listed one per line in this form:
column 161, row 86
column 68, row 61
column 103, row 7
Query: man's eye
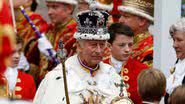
column 121, row 45
column 130, row 44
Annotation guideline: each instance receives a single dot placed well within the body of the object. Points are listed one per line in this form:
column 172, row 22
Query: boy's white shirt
column 11, row 75
column 116, row 64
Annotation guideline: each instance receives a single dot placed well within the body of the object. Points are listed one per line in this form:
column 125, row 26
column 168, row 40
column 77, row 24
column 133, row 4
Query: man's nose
column 98, row 48
column 174, row 44
column 127, row 49
column 121, row 19
column 50, row 11
column 16, row 55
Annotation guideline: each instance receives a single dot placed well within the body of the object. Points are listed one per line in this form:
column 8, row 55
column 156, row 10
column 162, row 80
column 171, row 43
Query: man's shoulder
column 57, row 73
column 105, row 65
column 71, row 60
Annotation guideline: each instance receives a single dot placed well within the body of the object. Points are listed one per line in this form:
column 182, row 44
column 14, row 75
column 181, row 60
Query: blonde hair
column 151, row 84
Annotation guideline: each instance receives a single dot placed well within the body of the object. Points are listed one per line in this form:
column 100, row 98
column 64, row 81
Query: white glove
column 44, row 45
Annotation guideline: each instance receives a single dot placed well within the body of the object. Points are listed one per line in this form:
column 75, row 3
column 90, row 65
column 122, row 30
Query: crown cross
column 121, row 85
column 87, row 22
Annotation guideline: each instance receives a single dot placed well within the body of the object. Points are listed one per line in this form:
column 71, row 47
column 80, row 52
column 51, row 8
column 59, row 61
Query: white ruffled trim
column 135, row 11
column 102, row 6
column 73, row 2
column 87, row 36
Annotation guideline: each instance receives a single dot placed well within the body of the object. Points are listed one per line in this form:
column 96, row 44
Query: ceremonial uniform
column 143, row 40
column 24, row 28
column 115, row 12
column 129, row 73
column 80, row 84
column 65, row 33
column 143, row 48
column 21, row 85
column 31, row 51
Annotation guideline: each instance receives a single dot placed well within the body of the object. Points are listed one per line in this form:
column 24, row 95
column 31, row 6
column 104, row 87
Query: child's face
column 16, row 55
column 121, row 47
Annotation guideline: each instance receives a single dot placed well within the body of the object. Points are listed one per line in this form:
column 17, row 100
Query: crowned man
column 138, row 14
column 89, row 80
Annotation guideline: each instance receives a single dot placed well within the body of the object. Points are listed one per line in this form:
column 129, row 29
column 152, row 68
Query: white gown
column 81, row 85
column 5, row 101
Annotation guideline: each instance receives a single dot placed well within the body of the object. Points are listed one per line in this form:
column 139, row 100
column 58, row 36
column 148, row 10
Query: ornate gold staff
column 62, row 55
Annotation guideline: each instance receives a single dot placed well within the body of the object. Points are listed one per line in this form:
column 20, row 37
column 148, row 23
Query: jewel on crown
column 92, row 22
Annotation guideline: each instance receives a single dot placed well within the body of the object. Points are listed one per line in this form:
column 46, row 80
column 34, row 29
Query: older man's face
column 179, row 44
column 58, row 12
column 92, row 51
column 130, row 20
column 83, row 7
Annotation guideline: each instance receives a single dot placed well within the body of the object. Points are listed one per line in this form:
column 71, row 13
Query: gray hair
column 178, row 26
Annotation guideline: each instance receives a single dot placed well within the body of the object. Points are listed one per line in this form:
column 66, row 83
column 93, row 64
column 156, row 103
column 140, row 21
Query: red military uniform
column 31, row 50
column 25, row 87
column 129, row 73
column 107, row 60
column 65, row 33
column 24, row 28
column 143, row 48
column 115, row 13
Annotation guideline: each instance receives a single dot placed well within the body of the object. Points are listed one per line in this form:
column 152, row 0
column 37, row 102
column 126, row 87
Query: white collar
column 180, row 68
column 116, row 64
column 11, row 75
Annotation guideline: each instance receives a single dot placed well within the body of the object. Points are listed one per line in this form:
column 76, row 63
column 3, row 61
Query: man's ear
column 109, row 45
column 79, row 48
column 69, row 9
column 142, row 21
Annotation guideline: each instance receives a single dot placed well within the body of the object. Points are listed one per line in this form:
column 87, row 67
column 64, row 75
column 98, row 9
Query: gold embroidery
column 125, row 70
column 18, row 88
column 18, row 80
column 127, row 86
column 128, row 94
column 125, row 78
column 18, row 97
